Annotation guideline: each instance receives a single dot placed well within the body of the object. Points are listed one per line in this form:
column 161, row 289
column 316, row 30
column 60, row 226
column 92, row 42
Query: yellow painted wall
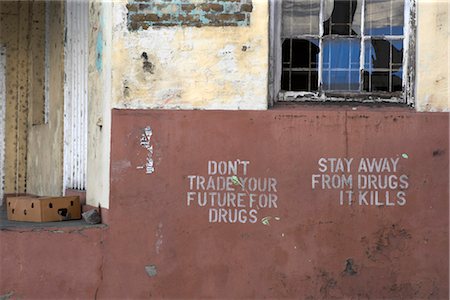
column 433, row 56
column 99, row 110
column 206, row 67
column 45, row 141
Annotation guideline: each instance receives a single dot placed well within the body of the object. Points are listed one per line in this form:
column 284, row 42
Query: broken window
column 343, row 47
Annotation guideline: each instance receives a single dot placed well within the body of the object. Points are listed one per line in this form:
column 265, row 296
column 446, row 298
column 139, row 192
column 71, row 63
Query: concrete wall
column 100, row 100
column 433, row 56
column 45, row 140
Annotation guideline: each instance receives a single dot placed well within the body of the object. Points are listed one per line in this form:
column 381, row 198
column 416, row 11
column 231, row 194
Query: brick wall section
column 143, row 14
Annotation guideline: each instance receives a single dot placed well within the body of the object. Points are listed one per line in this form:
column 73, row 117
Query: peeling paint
column 145, row 143
column 159, row 236
column 151, row 270
column 99, row 51
column 7, row 296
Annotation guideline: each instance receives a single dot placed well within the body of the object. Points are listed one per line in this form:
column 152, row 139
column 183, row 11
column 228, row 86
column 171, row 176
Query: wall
column 168, row 67
column 162, row 242
column 187, row 55
column 50, row 263
column 433, row 56
column 14, row 24
column 191, row 64
column 99, row 107
column 45, row 140
column 172, row 56
column 304, row 233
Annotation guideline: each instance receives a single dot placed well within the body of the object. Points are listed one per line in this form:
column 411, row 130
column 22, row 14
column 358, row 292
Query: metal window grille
column 346, row 49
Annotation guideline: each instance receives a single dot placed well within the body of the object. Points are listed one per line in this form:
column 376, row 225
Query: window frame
column 406, row 96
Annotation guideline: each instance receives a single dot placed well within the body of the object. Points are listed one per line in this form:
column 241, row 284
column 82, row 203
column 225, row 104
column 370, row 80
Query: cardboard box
column 43, row 209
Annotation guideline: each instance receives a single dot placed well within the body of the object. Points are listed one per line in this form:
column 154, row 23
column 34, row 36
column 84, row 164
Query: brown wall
column 51, row 263
column 308, row 246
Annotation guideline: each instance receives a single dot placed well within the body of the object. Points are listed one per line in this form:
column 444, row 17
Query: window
column 345, row 50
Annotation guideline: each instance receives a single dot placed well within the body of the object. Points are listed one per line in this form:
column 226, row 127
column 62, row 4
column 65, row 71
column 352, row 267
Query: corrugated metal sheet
column 75, row 95
column 2, row 119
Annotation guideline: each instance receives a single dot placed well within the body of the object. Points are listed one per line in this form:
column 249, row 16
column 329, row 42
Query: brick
column 132, row 7
column 166, row 8
column 246, row 8
column 188, row 18
column 226, row 17
column 160, row 24
column 187, row 7
column 133, row 26
column 137, row 18
column 186, row 13
column 207, row 7
column 143, row 6
column 149, row 17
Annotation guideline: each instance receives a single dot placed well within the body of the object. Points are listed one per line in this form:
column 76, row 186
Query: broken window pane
column 300, row 65
column 344, row 18
column 341, row 64
column 300, row 17
column 383, row 65
column 384, row 17
column 341, row 45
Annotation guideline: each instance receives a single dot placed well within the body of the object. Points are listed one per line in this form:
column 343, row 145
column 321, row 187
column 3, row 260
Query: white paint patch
column 2, row 119
column 120, row 165
column 228, row 62
column 159, row 238
column 145, row 143
column 170, row 94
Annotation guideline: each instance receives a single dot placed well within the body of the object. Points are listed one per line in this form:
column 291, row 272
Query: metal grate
column 348, row 46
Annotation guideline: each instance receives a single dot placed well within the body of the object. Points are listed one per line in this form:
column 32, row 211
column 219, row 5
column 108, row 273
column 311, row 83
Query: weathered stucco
column 191, row 67
column 433, row 56
column 99, row 110
column 45, row 141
